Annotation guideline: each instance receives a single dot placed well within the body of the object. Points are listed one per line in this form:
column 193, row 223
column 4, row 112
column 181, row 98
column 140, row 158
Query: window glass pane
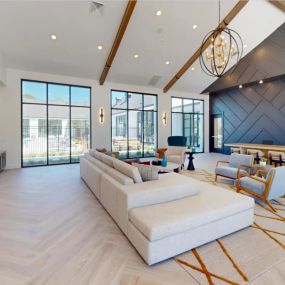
column 188, row 127
column 119, row 132
column 119, row 100
column 58, row 94
column 188, row 106
column 198, row 106
column 177, row 124
column 80, row 96
column 34, row 138
column 150, row 133
column 135, row 101
column 176, row 105
column 80, row 132
column 198, row 132
column 150, row 102
column 58, row 135
column 135, row 133
column 34, row 92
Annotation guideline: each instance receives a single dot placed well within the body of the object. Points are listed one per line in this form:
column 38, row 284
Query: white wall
column 10, row 110
column 2, row 70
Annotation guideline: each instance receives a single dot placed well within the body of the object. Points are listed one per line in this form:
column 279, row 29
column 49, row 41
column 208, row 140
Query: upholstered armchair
column 271, row 187
column 239, row 165
column 176, row 154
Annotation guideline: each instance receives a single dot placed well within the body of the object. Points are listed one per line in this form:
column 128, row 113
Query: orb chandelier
column 221, row 50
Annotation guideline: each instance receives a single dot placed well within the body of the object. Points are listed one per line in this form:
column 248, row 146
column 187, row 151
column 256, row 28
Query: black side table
column 190, row 157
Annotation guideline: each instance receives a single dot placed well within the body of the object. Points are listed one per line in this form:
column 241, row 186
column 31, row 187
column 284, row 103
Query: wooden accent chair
column 276, row 157
column 271, row 187
column 257, row 154
column 239, row 165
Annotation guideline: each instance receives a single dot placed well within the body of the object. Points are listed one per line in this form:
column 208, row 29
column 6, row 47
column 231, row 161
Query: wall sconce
column 164, row 118
column 101, row 115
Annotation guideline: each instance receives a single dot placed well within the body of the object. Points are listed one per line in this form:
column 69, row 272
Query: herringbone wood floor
column 54, row 231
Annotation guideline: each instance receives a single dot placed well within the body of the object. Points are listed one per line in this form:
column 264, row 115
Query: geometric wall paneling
column 252, row 114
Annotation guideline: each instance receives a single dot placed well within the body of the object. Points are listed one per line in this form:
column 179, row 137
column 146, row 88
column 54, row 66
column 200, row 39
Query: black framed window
column 56, row 122
column 134, row 124
column 187, row 119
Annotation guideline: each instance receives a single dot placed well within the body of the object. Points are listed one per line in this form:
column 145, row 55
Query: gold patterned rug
column 242, row 256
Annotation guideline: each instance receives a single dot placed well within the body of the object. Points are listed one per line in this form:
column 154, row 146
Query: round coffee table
column 170, row 167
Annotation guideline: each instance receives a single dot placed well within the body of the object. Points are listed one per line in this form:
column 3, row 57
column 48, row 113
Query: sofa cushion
column 128, row 170
column 228, row 171
column 147, row 172
column 107, row 159
column 252, row 185
column 168, row 187
column 211, row 204
column 120, row 177
column 96, row 162
column 96, row 154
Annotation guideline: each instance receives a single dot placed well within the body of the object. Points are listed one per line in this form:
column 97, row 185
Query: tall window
column 188, row 120
column 134, row 124
column 55, row 123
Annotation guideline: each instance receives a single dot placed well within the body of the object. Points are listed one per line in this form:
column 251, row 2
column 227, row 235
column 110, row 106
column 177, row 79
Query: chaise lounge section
column 168, row 216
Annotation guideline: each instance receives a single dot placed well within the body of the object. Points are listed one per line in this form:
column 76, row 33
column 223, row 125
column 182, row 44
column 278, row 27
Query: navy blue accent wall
column 252, row 114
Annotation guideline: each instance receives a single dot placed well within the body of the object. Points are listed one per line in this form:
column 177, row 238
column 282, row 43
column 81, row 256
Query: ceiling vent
column 97, row 7
column 154, row 80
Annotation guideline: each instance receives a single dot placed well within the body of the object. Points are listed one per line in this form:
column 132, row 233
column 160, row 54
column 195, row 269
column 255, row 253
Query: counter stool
column 257, row 154
column 235, row 150
column 276, row 157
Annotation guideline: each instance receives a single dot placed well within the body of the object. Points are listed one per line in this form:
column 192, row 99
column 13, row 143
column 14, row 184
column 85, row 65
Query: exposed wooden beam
column 121, row 31
column 230, row 16
column 279, row 4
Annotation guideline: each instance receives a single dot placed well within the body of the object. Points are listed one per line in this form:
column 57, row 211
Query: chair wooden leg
column 216, row 178
column 269, row 205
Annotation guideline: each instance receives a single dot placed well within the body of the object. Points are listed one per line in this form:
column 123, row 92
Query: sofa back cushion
column 120, row 177
column 96, row 154
column 128, row 170
column 107, row 160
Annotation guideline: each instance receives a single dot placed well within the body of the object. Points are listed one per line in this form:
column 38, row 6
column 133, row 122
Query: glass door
column 217, row 133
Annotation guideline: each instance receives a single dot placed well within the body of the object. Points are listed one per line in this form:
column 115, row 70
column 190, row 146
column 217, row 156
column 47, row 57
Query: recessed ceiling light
column 195, row 27
column 158, row 13
column 167, row 62
column 136, row 55
column 245, row 46
column 53, row 37
column 193, row 68
column 100, row 47
column 260, row 81
column 240, row 86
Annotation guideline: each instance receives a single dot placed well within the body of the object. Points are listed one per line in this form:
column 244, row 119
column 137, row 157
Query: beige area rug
column 242, row 256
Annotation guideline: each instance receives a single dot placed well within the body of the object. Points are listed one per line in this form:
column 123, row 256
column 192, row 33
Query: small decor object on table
column 164, row 161
column 2, row 160
column 190, row 153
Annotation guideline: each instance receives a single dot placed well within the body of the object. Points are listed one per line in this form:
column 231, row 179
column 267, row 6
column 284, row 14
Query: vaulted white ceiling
column 25, row 28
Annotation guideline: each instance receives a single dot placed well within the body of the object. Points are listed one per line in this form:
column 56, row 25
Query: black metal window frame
column 47, row 104
column 131, row 109
column 190, row 113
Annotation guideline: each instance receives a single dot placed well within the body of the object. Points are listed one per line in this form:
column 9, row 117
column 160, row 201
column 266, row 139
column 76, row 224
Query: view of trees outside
column 134, row 124
column 55, row 123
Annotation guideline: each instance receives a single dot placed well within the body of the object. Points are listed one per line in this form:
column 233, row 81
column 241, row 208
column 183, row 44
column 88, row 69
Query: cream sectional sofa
column 168, row 216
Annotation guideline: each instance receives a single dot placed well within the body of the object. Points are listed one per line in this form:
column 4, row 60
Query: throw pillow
column 147, row 172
